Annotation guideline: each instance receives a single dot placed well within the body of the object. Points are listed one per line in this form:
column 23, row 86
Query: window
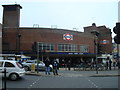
column 67, row 47
column 84, row 48
column 46, row 46
column 1, row 64
column 8, row 64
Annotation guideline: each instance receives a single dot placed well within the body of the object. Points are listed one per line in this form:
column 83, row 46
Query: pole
column 37, row 55
column 96, row 59
column 118, row 46
column 96, row 33
column 4, row 80
column 37, row 46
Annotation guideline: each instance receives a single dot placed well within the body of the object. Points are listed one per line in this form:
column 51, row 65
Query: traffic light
column 116, row 30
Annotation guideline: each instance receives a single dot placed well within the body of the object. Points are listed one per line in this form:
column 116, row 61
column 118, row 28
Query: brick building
column 104, row 38
column 52, row 42
column 0, row 38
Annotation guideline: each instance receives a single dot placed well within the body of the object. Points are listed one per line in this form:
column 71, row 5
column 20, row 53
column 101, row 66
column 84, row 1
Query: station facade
column 52, row 42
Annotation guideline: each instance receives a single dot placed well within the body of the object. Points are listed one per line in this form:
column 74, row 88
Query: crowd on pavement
column 108, row 65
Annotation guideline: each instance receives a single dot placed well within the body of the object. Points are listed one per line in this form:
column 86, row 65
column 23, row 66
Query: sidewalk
column 65, row 73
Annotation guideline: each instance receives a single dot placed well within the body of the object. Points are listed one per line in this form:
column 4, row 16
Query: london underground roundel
column 68, row 36
column 105, row 41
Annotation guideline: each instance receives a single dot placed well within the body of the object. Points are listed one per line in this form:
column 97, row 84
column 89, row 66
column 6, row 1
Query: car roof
column 8, row 60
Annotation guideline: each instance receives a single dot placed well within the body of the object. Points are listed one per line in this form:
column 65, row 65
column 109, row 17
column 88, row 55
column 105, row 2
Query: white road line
column 92, row 83
column 33, row 83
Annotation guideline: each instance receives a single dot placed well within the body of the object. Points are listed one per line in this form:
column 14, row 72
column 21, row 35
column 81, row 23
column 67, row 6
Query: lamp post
column 95, row 33
column 18, row 36
column 37, row 46
column 37, row 55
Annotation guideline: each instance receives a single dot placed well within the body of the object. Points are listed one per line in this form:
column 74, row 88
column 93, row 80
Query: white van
column 13, row 68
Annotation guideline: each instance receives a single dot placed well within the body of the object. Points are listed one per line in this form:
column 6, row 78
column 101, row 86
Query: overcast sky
column 66, row 14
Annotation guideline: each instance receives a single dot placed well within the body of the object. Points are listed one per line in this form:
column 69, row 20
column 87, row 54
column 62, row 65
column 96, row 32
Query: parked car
column 41, row 65
column 13, row 68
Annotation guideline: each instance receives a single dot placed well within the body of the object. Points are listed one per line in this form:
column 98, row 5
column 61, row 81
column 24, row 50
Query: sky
column 66, row 14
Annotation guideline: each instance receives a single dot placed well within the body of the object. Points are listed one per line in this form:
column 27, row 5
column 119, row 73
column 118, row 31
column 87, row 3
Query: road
column 66, row 79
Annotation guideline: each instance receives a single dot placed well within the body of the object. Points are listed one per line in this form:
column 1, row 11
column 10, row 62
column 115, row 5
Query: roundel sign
column 105, row 41
column 67, row 36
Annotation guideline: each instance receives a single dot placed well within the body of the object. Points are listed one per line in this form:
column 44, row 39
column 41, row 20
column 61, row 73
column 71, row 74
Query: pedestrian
column 47, row 68
column 107, row 63
column 118, row 64
column 69, row 65
column 114, row 64
column 110, row 63
column 55, row 67
column 57, row 63
column 63, row 63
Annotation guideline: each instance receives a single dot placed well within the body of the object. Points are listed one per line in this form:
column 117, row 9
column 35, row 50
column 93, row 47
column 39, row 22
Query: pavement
column 78, row 73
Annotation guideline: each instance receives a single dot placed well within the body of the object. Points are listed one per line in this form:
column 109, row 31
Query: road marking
column 33, row 83
column 71, row 75
column 92, row 83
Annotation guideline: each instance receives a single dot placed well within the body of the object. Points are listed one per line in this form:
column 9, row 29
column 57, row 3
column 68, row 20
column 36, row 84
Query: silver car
column 13, row 68
column 41, row 65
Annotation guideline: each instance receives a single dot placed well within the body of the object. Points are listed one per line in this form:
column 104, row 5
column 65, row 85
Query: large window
column 67, row 47
column 84, row 48
column 46, row 46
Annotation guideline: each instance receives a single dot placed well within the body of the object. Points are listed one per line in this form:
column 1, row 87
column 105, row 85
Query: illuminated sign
column 67, row 36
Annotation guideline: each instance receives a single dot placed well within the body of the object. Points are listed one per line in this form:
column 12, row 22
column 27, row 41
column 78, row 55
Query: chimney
column 11, row 15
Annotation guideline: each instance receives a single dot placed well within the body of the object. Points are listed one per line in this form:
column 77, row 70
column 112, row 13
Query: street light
column 95, row 33
column 37, row 46
column 19, row 36
column 37, row 55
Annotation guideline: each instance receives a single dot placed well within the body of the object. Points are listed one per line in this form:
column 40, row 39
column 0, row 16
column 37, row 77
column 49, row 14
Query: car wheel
column 13, row 76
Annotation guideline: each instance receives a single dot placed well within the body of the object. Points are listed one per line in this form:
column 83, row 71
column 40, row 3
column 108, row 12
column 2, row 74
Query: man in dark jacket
column 47, row 63
column 55, row 67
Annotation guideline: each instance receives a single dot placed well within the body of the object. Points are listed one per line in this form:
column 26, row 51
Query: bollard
column 4, row 80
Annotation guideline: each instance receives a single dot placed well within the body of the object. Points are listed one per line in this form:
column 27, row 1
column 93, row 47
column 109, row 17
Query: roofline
column 13, row 5
column 40, row 28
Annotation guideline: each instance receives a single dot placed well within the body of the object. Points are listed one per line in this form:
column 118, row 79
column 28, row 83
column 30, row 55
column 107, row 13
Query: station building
column 52, row 42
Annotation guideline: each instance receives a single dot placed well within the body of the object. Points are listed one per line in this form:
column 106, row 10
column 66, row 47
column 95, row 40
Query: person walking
column 47, row 68
column 69, row 65
column 110, row 64
column 107, row 63
column 55, row 67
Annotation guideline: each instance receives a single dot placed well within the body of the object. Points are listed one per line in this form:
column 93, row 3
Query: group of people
column 54, row 64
